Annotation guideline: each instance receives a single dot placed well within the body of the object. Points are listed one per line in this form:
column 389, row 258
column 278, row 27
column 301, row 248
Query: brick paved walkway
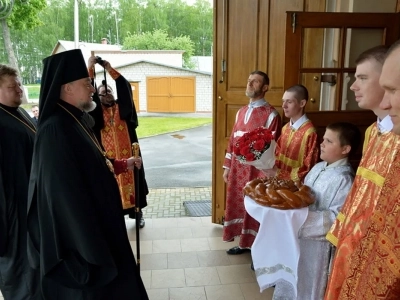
column 168, row 202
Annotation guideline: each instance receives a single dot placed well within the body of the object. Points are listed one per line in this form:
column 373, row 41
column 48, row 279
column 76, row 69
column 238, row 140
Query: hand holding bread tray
column 279, row 193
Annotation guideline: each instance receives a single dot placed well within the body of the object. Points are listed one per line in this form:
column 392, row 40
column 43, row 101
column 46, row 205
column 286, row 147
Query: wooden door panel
column 158, row 94
column 183, row 85
column 362, row 119
column 182, row 94
column 294, row 36
column 249, row 35
column 171, row 94
column 135, row 95
column 335, row 67
column 242, row 34
column 312, row 82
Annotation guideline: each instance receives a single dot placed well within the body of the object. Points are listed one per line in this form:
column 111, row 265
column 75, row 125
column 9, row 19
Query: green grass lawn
column 33, row 91
column 149, row 126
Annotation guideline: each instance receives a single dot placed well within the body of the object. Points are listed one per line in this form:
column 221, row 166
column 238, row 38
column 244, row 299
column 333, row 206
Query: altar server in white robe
column 330, row 181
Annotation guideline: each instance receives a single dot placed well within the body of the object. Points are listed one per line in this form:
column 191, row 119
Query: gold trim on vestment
column 332, row 239
column 371, row 176
column 341, row 217
column 291, row 162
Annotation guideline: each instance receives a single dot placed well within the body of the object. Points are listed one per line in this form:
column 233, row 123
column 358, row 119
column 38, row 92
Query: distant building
column 203, row 63
column 159, row 82
column 165, row 89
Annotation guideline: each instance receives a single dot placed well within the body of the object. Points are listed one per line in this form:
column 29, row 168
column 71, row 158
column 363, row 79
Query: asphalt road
column 178, row 159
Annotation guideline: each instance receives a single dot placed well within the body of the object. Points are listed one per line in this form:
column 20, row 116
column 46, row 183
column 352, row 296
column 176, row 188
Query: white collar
column 340, row 162
column 299, row 122
column 257, row 103
column 385, row 125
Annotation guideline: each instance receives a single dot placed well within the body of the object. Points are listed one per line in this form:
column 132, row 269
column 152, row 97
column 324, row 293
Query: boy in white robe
column 330, row 181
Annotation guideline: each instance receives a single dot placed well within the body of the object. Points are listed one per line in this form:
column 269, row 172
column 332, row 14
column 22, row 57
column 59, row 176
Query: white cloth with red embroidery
column 275, row 251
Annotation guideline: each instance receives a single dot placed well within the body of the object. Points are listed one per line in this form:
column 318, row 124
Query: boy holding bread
column 330, row 182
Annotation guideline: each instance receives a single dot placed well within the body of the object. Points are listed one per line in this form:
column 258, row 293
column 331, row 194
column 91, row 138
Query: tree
column 159, row 40
column 189, row 27
column 23, row 16
column 175, row 17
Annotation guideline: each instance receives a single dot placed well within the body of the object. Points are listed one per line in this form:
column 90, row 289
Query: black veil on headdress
column 59, row 69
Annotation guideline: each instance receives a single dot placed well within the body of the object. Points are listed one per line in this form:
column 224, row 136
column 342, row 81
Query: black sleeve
column 127, row 108
column 97, row 114
column 3, row 213
column 75, row 251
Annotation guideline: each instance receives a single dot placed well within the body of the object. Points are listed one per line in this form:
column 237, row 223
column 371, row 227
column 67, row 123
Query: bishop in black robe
column 77, row 233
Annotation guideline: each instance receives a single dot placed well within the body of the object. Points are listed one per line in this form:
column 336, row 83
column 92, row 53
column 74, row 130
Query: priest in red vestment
column 258, row 112
column 380, row 150
column 115, row 125
column 297, row 148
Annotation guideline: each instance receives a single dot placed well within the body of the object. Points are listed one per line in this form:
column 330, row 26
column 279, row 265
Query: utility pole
column 116, row 26
column 76, row 24
column 91, row 22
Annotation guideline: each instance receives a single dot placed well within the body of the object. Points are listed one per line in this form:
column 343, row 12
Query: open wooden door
column 251, row 35
column 320, row 53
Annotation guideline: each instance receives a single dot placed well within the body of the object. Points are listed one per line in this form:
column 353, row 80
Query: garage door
column 135, row 94
column 171, row 94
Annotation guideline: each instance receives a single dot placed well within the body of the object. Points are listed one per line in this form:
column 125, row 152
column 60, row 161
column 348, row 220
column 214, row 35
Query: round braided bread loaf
column 279, row 193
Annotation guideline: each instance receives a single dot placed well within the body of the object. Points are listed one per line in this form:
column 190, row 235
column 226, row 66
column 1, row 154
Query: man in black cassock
column 35, row 112
column 77, row 233
column 17, row 133
column 115, row 125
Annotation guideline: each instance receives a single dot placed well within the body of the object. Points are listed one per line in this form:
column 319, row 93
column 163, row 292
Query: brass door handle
column 219, row 98
column 316, row 78
column 312, row 100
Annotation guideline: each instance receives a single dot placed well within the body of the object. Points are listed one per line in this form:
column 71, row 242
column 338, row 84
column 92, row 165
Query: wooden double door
column 316, row 49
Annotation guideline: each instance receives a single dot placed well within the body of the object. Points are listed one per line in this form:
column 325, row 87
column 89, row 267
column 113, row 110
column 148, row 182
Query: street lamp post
column 76, row 24
column 91, row 24
column 116, row 25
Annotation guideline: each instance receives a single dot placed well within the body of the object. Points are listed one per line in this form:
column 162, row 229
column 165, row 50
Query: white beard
column 91, row 107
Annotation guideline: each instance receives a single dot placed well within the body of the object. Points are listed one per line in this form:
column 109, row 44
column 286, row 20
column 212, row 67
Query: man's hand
column 107, row 65
column 270, row 172
column 91, row 62
column 133, row 162
column 225, row 175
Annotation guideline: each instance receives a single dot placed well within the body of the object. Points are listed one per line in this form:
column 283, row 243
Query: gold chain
column 94, row 140
column 26, row 124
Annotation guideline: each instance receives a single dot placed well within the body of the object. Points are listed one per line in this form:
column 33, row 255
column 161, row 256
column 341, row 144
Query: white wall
column 170, row 58
column 139, row 72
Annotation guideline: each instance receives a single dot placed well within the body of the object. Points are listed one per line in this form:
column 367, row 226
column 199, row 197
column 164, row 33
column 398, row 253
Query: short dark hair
column 103, row 84
column 377, row 53
column 393, row 47
column 264, row 76
column 349, row 134
column 300, row 92
column 6, row 70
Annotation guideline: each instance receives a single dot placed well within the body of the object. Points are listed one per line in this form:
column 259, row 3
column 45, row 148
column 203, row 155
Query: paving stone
column 168, row 203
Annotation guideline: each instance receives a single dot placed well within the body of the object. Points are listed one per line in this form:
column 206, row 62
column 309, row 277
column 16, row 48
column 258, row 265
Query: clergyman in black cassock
column 112, row 116
column 17, row 133
column 77, row 233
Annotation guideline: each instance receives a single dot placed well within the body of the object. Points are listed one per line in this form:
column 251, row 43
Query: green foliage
column 159, row 40
column 175, row 17
column 25, row 15
column 33, row 91
column 36, row 27
column 149, row 126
